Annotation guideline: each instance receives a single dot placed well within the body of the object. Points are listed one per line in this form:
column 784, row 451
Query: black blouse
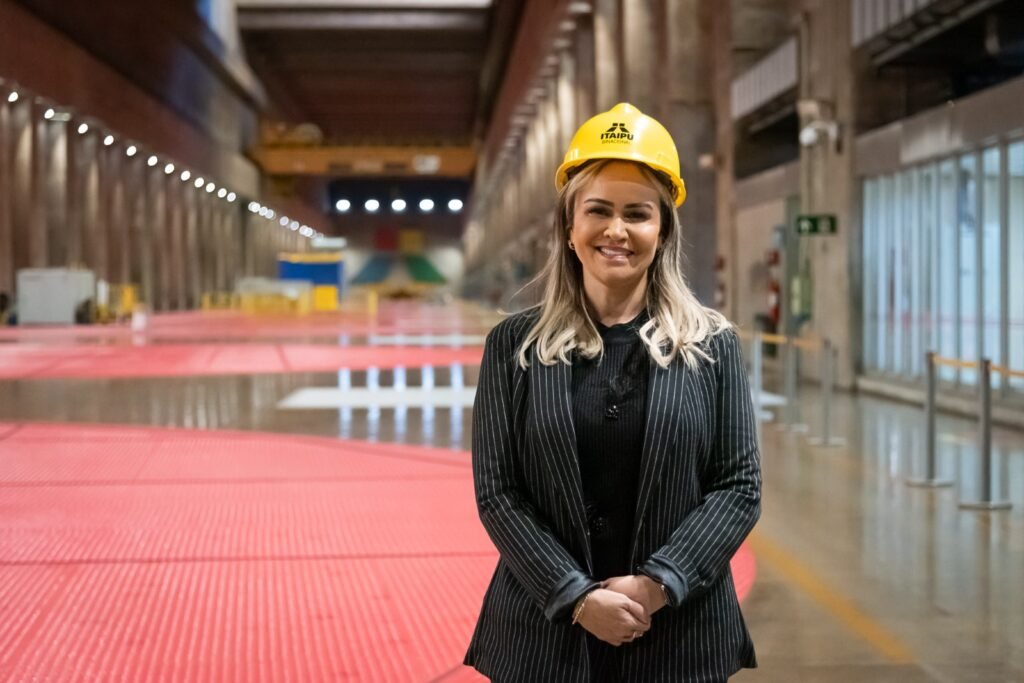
column 609, row 410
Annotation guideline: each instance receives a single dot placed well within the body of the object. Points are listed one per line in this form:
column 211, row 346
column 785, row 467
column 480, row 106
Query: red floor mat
column 394, row 319
column 29, row 361
column 131, row 554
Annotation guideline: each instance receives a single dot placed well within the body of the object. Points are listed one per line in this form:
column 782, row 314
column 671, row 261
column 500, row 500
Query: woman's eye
column 595, row 211
column 638, row 216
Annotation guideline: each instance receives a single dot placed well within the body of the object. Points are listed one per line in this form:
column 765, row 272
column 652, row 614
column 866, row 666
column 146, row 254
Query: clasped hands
column 620, row 610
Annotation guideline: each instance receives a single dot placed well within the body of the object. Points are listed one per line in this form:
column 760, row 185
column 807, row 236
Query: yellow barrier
column 1003, row 370
column 325, row 298
column 956, row 363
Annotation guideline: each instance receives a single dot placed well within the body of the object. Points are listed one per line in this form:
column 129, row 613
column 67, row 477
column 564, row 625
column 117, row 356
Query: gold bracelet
column 579, row 609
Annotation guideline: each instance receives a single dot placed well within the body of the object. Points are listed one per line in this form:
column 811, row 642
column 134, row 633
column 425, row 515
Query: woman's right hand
column 613, row 617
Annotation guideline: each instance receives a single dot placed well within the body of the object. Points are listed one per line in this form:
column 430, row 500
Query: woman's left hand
column 640, row 588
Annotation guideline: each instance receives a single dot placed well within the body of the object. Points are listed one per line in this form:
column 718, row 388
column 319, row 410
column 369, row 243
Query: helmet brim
column 562, row 174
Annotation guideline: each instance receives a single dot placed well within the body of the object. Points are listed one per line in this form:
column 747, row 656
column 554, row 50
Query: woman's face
column 616, row 226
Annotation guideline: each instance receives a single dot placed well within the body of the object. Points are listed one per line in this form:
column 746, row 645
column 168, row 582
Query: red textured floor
column 130, row 554
column 34, row 361
column 228, row 325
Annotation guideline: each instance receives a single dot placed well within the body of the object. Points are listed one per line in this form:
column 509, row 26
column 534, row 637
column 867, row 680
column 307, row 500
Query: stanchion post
column 757, row 376
column 985, row 442
column 930, row 479
column 792, row 422
column 827, row 370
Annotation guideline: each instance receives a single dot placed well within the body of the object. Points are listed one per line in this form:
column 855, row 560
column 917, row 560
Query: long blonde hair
column 678, row 323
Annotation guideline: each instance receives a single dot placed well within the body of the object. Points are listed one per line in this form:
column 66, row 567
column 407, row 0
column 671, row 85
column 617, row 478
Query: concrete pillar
column 723, row 73
column 55, row 203
column 6, row 199
column 88, row 202
column 828, row 182
column 35, row 146
column 584, row 69
column 645, row 36
column 608, row 52
column 193, row 251
column 691, row 121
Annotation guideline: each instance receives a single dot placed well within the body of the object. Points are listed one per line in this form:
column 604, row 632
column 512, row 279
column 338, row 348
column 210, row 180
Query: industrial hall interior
column 525, row 341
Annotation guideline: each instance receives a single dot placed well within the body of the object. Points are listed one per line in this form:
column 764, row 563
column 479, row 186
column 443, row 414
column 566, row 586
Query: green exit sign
column 816, row 224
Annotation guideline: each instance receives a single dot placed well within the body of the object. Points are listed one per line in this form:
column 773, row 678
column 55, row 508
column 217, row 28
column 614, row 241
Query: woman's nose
column 616, row 228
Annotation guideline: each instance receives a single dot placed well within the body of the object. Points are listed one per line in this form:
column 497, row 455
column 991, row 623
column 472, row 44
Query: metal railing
column 931, row 479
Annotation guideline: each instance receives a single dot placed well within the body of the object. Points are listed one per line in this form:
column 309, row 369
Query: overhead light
column 426, row 205
column 284, row 221
column 83, row 129
column 222, row 193
column 270, row 214
column 264, row 211
column 294, row 225
column 132, row 150
column 398, row 206
column 108, row 141
column 210, row 186
column 343, row 205
column 232, row 196
column 185, row 175
column 13, row 97
column 254, row 207
column 49, row 114
column 577, row 8
column 169, row 169
column 200, row 181
column 455, row 205
column 567, row 26
column 152, row 161
column 371, row 205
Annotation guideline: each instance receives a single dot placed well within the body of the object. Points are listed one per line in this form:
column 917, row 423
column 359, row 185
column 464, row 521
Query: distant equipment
column 50, row 296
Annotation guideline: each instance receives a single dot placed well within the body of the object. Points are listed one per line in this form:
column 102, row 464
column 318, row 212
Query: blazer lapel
column 664, row 399
column 551, row 404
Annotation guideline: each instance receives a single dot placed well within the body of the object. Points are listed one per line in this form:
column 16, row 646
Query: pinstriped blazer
column 698, row 498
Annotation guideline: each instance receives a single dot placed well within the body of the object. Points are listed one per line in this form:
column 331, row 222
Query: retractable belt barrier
column 792, row 346
column 985, row 369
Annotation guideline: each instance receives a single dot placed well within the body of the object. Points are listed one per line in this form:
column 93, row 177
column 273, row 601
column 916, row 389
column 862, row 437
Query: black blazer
column 699, row 497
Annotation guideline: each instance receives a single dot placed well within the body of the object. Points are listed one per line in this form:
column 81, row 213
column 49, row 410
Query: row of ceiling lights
column 397, row 205
column 199, row 182
column 284, row 221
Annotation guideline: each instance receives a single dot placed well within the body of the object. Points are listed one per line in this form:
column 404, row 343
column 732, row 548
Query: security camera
column 811, row 133
column 808, row 136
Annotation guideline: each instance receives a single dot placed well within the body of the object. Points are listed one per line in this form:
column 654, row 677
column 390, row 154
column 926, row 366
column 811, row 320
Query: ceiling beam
column 328, row 20
column 437, row 162
column 363, row 4
column 538, row 28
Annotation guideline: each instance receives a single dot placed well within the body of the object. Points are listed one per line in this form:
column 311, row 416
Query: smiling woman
column 615, row 454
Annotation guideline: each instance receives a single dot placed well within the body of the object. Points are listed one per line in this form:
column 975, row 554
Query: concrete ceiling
column 390, row 72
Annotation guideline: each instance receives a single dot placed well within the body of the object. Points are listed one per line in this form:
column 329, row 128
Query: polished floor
column 859, row 577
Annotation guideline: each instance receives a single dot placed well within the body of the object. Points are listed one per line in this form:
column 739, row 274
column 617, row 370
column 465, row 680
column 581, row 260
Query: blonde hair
column 678, row 324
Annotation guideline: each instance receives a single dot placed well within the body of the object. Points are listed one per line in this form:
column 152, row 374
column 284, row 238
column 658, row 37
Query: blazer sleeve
column 699, row 550
column 537, row 559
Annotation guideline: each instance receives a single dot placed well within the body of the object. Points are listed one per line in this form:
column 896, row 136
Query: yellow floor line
column 834, row 602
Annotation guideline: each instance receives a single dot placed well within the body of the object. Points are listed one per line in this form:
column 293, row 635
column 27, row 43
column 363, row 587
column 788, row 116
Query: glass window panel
column 991, row 273
column 899, row 239
column 885, row 272
column 929, row 262
column 1015, row 304
column 948, row 268
column 967, row 214
column 870, row 276
column 913, row 279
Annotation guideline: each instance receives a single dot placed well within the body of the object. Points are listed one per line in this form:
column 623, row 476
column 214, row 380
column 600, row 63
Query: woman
column 614, row 445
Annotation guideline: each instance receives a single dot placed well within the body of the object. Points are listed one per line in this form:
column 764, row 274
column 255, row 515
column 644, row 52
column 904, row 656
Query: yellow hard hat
column 624, row 132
